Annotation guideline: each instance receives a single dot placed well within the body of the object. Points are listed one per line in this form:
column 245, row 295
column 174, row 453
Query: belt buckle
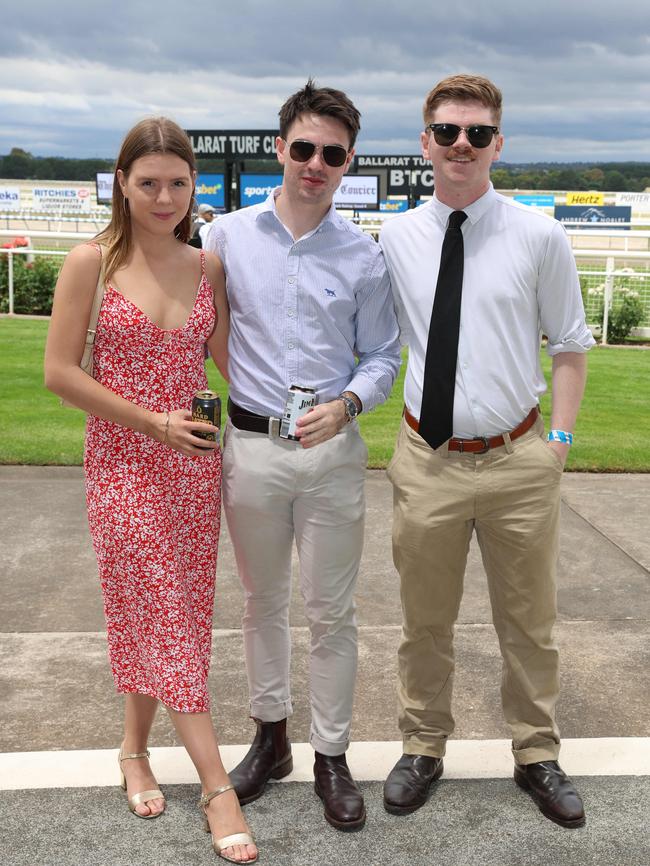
column 483, row 439
column 274, row 428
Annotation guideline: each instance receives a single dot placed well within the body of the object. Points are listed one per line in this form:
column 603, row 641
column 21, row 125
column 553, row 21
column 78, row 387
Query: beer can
column 206, row 409
column 299, row 401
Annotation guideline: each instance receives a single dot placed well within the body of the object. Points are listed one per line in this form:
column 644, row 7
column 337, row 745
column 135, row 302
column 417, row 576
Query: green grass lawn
column 611, row 434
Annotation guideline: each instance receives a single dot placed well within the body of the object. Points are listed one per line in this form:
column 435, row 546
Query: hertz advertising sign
column 595, row 198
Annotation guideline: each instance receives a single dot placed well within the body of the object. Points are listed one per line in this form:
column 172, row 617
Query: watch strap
column 351, row 409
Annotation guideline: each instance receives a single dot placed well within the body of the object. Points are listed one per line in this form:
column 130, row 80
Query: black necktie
column 437, row 413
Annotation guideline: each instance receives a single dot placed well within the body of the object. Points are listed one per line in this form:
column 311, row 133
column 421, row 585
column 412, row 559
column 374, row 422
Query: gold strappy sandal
column 227, row 841
column 144, row 796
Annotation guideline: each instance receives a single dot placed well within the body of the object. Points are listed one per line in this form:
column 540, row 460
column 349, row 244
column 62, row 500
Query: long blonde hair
column 151, row 135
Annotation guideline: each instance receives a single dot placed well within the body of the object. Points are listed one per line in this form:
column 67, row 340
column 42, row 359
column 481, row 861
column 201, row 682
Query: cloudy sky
column 76, row 74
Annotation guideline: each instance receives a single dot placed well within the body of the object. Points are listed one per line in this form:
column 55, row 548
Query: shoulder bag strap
column 87, row 359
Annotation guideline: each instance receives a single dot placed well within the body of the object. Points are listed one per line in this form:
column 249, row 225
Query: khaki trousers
column 511, row 497
column 274, row 491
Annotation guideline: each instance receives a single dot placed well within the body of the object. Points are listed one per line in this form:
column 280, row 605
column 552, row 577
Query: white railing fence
column 606, row 276
column 26, row 221
column 607, row 279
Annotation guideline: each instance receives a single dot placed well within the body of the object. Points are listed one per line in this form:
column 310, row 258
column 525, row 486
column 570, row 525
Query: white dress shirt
column 204, row 230
column 303, row 311
column 519, row 280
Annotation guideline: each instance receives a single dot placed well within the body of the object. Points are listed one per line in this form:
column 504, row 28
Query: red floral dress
column 154, row 513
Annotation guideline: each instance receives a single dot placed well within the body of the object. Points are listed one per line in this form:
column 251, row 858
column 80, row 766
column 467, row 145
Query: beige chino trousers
column 511, row 497
column 274, row 491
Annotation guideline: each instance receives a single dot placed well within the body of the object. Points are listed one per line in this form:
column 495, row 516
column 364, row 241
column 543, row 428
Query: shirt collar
column 268, row 205
column 330, row 220
column 474, row 211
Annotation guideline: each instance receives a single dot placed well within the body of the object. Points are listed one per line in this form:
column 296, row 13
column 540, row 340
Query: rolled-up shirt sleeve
column 562, row 314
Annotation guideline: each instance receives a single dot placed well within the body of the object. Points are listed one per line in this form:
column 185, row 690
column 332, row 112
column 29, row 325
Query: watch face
column 351, row 410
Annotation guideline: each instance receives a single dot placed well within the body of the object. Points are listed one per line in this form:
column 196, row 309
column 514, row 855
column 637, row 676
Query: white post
column 609, row 292
column 10, row 276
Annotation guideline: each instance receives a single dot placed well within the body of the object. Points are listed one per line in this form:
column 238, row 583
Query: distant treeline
column 20, row 165
column 609, row 176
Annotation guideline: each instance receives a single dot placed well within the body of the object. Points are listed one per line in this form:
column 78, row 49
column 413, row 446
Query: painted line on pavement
column 369, row 761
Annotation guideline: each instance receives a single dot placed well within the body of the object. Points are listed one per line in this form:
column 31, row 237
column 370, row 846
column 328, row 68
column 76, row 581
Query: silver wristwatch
column 351, row 410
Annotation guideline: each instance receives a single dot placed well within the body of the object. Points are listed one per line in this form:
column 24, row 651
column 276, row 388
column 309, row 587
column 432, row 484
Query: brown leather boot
column 269, row 757
column 553, row 791
column 342, row 799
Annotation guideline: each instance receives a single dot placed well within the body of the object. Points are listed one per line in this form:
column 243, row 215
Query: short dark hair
column 320, row 100
column 464, row 88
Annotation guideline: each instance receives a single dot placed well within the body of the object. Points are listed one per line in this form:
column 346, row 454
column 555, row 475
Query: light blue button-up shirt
column 304, row 311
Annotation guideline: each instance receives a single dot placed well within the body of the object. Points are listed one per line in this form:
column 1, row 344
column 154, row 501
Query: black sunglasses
column 445, row 134
column 333, row 154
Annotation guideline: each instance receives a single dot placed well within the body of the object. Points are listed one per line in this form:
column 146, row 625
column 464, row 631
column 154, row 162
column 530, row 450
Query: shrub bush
column 33, row 285
column 625, row 313
column 623, row 316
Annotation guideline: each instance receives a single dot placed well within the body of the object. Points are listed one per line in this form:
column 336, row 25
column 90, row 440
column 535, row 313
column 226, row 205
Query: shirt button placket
column 291, row 310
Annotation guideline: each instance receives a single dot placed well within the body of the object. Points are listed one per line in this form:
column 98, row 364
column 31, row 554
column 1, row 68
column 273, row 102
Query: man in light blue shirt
column 310, row 306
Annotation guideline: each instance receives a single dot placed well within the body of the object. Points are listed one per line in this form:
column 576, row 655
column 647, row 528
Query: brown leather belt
column 482, row 444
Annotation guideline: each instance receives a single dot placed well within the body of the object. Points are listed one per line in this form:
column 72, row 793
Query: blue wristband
column 560, row 436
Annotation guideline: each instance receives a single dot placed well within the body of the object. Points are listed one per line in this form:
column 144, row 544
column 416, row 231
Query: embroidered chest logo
column 330, row 293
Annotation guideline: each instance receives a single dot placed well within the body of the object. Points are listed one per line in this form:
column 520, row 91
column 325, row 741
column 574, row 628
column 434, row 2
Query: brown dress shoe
column 269, row 757
column 553, row 791
column 343, row 801
column 408, row 783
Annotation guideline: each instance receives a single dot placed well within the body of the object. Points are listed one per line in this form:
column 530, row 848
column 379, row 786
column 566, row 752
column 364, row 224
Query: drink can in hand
column 299, row 401
column 206, row 409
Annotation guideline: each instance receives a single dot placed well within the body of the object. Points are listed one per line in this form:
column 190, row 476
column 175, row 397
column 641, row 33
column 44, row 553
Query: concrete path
column 57, row 698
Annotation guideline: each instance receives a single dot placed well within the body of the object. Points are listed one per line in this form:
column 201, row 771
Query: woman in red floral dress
column 152, row 488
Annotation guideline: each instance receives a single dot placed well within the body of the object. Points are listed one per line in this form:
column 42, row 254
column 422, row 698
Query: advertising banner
column 595, row 198
column 398, row 206
column 403, row 173
column 104, row 185
column 255, row 188
column 233, row 143
column 210, row 190
column 638, row 201
column 9, row 198
column 420, row 180
column 61, row 198
column 536, row 200
column 593, row 217
column 358, row 192
column 385, row 160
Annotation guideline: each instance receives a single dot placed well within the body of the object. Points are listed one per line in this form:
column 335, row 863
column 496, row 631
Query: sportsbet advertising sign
column 210, row 190
column 255, row 188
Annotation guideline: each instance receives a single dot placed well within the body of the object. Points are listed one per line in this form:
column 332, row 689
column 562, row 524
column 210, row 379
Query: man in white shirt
column 202, row 225
column 471, row 453
column 310, row 306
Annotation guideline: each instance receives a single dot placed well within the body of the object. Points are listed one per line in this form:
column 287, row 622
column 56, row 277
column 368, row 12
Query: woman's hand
column 177, row 429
